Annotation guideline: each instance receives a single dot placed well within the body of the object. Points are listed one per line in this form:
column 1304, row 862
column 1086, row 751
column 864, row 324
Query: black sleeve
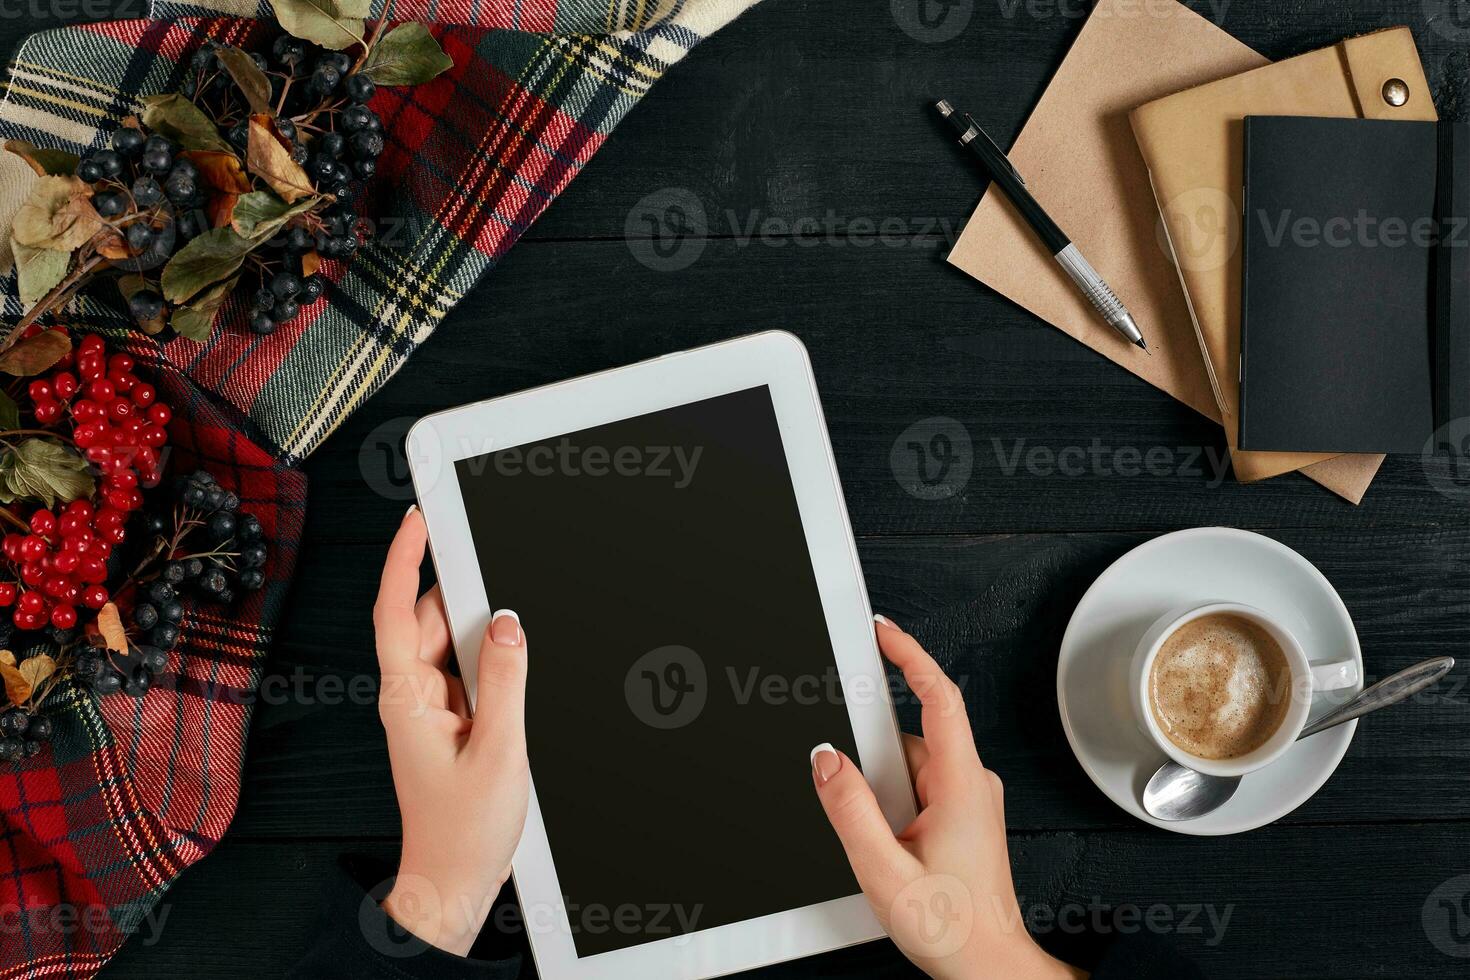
column 1142, row 956
column 356, row 940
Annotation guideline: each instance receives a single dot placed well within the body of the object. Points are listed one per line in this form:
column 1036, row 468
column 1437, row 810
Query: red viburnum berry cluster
column 120, row 426
column 117, row 423
column 62, row 564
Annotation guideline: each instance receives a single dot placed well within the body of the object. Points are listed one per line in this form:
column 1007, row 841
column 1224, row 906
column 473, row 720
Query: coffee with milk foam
column 1220, row 687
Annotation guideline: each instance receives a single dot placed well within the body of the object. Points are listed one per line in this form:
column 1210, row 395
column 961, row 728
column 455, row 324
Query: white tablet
column 674, row 538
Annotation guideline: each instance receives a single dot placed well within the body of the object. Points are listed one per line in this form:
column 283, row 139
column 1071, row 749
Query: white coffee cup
column 1306, row 679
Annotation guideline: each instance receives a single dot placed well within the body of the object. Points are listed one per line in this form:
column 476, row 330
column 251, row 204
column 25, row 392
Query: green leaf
column 9, row 413
column 335, row 24
column 260, row 214
column 196, row 320
column 40, row 270
column 406, row 55
column 40, row 469
column 248, row 78
column 182, row 121
column 57, row 163
column 215, row 255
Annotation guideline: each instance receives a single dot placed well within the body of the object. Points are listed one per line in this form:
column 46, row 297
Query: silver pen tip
column 945, row 109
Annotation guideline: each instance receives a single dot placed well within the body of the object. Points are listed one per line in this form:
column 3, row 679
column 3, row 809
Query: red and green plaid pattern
column 132, row 792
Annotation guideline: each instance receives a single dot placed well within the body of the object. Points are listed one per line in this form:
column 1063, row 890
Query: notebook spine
column 1243, row 439
column 1450, row 325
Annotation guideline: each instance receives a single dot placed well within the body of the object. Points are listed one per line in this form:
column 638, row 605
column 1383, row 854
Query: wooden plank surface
column 828, row 199
column 1300, row 902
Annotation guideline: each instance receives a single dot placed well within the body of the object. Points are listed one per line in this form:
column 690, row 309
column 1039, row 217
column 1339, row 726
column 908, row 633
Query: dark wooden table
column 801, row 132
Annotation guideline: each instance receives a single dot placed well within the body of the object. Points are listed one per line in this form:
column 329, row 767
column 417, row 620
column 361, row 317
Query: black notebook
column 1355, row 306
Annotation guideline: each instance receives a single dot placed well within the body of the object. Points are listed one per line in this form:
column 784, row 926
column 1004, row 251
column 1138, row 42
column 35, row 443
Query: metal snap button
column 1395, row 92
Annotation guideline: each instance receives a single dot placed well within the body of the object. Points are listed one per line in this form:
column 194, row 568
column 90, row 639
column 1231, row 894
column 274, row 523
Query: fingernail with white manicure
column 825, row 763
column 883, row 620
column 505, row 628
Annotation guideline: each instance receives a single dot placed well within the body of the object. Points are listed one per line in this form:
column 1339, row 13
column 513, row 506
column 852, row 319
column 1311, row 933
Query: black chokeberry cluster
column 334, row 137
column 109, row 671
column 280, row 299
column 22, row 734
column 158, row 200
column 153, row 198
column 230, row 561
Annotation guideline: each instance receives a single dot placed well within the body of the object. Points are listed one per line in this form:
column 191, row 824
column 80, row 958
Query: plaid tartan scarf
column 130, row 792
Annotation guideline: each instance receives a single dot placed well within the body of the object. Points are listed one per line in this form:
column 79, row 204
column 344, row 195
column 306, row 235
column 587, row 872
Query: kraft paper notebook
column 1123, row 57
column 1193, row 145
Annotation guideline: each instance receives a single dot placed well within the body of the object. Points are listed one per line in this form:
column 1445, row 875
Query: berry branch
column 77, row 479
column 251, row 156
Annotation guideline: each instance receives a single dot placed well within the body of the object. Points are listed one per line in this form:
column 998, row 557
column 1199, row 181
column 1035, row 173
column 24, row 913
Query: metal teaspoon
column 1177, row 792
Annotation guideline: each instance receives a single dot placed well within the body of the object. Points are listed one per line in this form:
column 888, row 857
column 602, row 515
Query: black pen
column 1092, row 285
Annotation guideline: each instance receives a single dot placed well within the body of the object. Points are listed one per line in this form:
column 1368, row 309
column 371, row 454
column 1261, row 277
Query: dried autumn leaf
column 196, row 320
column 56, row 215
column 57, row 163
column 269, row 160
column 17, row 688
column 260, row 214
column 9, row 417
column 36, row 669
column 219, row 171
column 40, row 269
column 215, row 255
column 7, row 657
column 406, row 55
column 39, row 469
column 33, row 355
column 183, row 122
column 109, row 624
column 248, row 77
column 310, row 263
column 334, row 24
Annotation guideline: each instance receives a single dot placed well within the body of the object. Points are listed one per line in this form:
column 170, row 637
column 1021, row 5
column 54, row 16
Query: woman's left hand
column 462, row 783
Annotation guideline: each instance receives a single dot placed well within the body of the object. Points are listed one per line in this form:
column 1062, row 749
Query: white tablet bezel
column 779, row 361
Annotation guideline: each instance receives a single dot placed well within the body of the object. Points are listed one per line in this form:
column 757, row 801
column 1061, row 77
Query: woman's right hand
column 942, row 888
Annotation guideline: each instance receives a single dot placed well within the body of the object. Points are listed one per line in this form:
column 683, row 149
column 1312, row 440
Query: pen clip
column 982, row 134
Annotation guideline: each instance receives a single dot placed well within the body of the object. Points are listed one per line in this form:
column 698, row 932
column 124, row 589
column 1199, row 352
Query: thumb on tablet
column 500, row 682
column 875, row 854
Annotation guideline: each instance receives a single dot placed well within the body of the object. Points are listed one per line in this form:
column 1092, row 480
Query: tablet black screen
column 680, row 667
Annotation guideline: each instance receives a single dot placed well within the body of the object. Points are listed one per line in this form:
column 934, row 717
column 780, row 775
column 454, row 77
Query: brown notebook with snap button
column 1192, row 143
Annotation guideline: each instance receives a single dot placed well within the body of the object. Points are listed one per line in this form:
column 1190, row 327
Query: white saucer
column 1197, row 566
